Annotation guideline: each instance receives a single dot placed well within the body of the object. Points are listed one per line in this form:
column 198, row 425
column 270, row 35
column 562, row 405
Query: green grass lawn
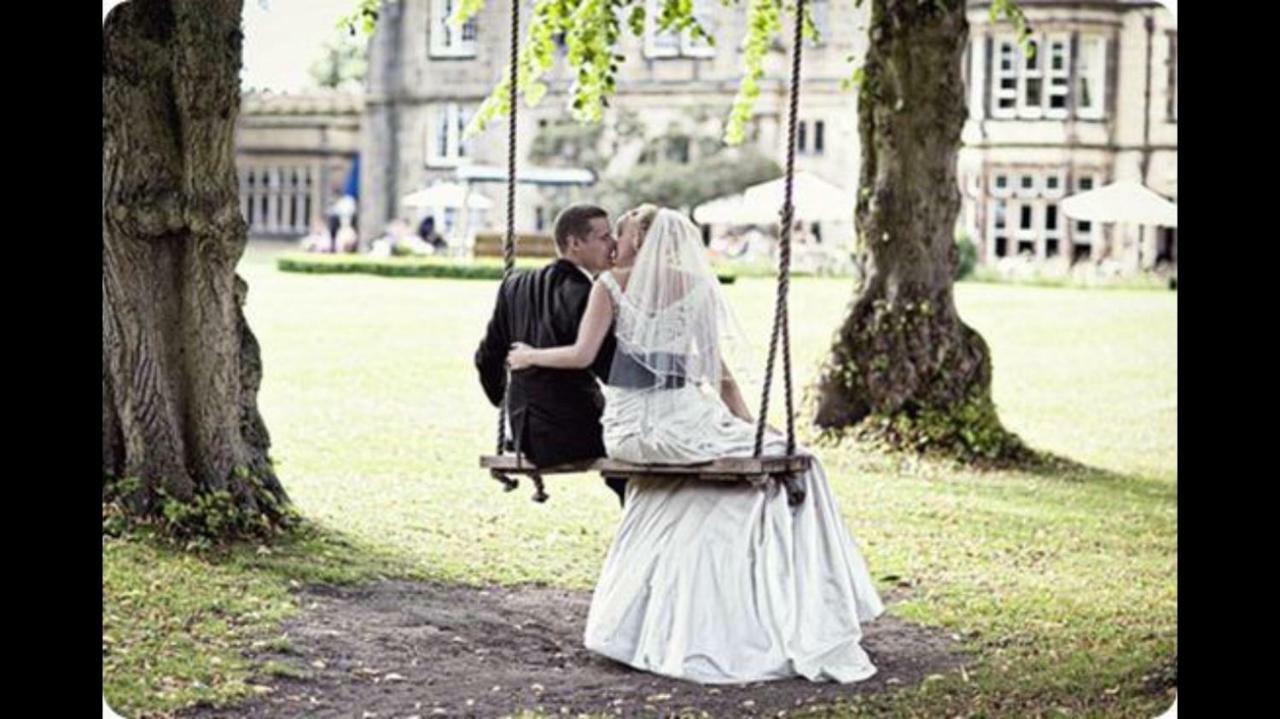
column 1064, row 587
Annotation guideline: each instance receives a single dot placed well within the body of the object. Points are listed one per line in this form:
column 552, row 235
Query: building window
column 444, row 142
column 447, row 40
column 1082, row 236
column 1036, row 83
column 820, row 10
column 1005, row 80
column 248, row 197
column 1031, row 82
column 461, row 126
column 705, row 12
column 819, row 141
column 800, row 137
column 1027, row 186
column 1091, row 68
column 1053, row 184
column 1166, row 247
column 1024, row 216
column 999, row 228
column 658, row 43
column 669, row 43
column 678, row 149
column 1172, row 110
column 1000, row 187
column 276, row 200
column 1052, row 235
column 1059, row 76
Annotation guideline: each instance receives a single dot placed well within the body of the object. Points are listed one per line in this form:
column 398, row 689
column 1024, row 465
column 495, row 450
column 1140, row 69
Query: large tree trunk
column 903, row 363
column 180, row 367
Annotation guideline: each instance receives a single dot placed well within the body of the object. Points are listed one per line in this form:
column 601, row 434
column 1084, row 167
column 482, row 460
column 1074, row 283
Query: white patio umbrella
column 816, row 200
column 447, row 194
column 725, row 210
column 1124, row 201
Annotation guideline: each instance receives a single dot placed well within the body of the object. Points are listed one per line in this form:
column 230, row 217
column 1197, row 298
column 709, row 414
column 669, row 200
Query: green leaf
column 534, row 93
column 637, row 20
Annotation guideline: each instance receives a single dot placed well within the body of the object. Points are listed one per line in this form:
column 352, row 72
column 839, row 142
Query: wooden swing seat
column 754, row 470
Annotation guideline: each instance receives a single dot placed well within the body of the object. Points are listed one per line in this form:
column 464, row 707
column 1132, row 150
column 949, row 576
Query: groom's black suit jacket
column 555, row 413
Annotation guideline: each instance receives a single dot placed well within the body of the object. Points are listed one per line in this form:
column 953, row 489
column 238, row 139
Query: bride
column 707, row 581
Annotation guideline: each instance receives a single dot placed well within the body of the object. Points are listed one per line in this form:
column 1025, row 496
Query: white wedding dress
column 720, row 582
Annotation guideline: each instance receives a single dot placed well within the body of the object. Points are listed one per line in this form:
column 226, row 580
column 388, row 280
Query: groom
column 555, row 413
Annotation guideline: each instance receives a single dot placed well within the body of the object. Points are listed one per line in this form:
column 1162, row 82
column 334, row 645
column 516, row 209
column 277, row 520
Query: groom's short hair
column 575, row 221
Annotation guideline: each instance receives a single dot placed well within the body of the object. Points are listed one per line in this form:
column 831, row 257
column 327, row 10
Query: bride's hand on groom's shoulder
column 520, row 356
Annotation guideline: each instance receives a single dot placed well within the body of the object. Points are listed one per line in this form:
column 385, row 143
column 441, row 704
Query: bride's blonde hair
column 644, row 215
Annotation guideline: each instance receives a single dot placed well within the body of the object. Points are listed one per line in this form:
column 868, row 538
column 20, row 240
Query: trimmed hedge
column 477, row 269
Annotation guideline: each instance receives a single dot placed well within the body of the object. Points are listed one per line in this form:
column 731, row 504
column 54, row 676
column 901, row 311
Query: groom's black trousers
column 554, row 413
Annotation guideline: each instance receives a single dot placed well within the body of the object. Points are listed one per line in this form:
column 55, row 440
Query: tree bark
column 181, row 367
column 903, row 363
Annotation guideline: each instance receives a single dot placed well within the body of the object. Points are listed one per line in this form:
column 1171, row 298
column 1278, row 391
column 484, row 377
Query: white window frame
column 1020, row 190
column 1052, row 233
column 1005, row 48
column 446, row 40
column 994, row 230
column 1060, row 190
column 996, row 190
column 821, row 11
column 705, row 12
column 1091, row 66
column 1057, row 81
column 1031, row 230
column 1029, row 234
column 451, row 119
column 658, row 44
column 1030, row 67
column 1078, row 236
column 1036, row 201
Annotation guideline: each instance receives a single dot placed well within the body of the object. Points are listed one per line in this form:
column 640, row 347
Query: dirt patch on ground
column 404, row 649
